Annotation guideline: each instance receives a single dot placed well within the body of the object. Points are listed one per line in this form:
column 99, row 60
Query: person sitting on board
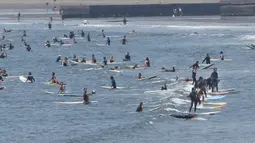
column 83, row 60
column 93, row 60
column 113, row 82
column 147, row 62
column 139, row 76
column 108, row 42
column 30, row 78
column 54, row 78
column 82, row 33
column 124, row 40
column 4, row 73
column 85, row 96
column 207, row 59
column 127, row 57
column 104, row 61
column 75, row 58
column 164, row 87
column 221, row 55
column 193, row 98
column 65, row 62
column 62, row 88
column 111, row 59
column 214, row 77
column 47, row 44
column 59, row 58
column 140, row 107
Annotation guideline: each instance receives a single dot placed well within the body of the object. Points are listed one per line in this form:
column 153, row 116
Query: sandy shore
column 17, row 4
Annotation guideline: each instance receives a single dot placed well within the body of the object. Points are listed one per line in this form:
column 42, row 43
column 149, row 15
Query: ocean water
column 28, row 114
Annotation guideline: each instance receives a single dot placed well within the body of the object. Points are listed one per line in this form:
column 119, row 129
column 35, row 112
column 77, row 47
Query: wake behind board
column 23, row 79
column 221, row 60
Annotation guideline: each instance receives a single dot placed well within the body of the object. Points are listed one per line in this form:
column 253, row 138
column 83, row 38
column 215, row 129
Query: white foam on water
column 247, row 37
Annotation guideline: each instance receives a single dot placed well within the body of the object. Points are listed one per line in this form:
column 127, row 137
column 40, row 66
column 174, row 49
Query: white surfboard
column 214, row 103
column 116, row 71
column 23, row 79
column 210, row 107
column 221, row 60
column 11, row 76
column 73, row 63
column 109, row 87
column 74, row 102
column 208, row 113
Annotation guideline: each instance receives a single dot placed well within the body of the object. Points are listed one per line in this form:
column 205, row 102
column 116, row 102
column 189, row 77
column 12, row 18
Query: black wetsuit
column 49, row 26
column 1, row 78
column 214, row 77
column 139, row 109
column 88, row 38
column 105, row 62
column 207, row 59
column 86, row 98
column 124, row 21
column 11, row 47
column 113, row 83
column 209, row 82
column 127, row 58
column 164, row 87
column 30, row 78
column 194, row 100
column 188, row 116
column 82, row 34
column 58, row 59
column 108, row 41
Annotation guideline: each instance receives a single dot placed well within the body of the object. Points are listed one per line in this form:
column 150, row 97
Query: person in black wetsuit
column 164, row 87
column 85, row 96
column 209, row 83
column 105, row 61
column 108, row 42
column 113, row 82
column 88, row 37
column 82, row 33
column 168, row 70
column 194, row 100
column 29, row 48
column 124, row 21
column 140, row 107
column 11, row 46
column 214, row 78
column 30, row 77
column 127, row 57
column 51, row 19
column 194, row 71
column 83, row 60
column 49, row 25
column 207, row 59
column 59, row 58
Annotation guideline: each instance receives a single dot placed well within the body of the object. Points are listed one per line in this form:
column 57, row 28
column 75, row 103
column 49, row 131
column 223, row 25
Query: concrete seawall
column 94, row 11
column 237, row 10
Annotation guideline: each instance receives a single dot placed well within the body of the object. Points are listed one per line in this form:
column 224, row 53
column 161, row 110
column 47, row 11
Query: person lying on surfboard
column 62, row 88
column 140, row 107
column 207, row 59
column 30, row 78
column 113, row 82
column 163, row 69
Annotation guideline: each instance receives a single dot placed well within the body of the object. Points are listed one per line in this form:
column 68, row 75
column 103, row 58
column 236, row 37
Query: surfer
column 85, row 96
column 82, row 33
column 127, row 57
column 24, row 33
column 124, row 21
column 59, row 58
column 30, row 78
column 115, row 68
column 62, row 88
column 93, row 60
column 140, row 107
column 65, row 62
column 54, row 78
column 108, row 42
column 11, row 46
column 194, row 71
column 207, row 59
column 71, row 35
column 124, row 40
column 139, row 76
column 4, row 73
column 18, row 17
column 28, row 48
column 75, row 58
column 214, row 77
column 168, row 70
column 221, row 55
column 147, row 62
column 55, row 39
column 103, row 35
column 113, row 82
column 49, row 25
column 47, row 44
column 88, row 37
column 201, row 85
column 1, row 78
column 104, row 61
column 164, row 87
column 111, row 59
column 3, row 55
